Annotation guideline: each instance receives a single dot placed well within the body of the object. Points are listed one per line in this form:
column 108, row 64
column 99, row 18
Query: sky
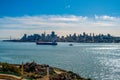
column 18, row 17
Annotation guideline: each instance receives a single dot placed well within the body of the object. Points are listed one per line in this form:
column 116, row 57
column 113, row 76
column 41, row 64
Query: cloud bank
column 62, row 24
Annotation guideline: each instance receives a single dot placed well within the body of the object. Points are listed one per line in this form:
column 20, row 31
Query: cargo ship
column 46, row 43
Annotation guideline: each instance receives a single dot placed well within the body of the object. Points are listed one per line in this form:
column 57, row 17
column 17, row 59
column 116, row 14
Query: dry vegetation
column 34, row 71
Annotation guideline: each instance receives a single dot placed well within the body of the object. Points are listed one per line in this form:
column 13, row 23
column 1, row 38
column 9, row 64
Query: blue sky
column 63, row 16
column 60, row 7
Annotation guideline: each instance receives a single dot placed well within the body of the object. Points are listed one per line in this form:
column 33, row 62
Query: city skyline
column 62, row 16
column 82, row 38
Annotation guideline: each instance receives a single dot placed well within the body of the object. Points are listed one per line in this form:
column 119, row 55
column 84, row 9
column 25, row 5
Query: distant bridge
column 4, row 38
column 8, row 38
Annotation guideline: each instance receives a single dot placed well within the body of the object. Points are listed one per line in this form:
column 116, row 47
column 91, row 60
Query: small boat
column 70, row 44
column 46, row 43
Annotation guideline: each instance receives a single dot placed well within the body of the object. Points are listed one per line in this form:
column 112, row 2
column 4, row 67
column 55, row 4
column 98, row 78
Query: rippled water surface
column 100, row 61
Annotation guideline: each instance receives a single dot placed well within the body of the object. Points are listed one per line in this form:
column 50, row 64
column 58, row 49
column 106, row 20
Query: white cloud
column 62, row 24
column 105, row 17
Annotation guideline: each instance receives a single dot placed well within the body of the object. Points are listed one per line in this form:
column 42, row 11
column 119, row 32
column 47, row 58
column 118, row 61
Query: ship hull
column 45, row 43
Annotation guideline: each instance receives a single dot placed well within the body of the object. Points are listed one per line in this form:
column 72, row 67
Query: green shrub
column 10, row 68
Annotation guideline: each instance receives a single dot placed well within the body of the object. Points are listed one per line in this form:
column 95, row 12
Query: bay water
column 99, row 61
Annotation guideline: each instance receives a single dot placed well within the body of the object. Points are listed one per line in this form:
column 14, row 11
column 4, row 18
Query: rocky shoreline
column 34, row 71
